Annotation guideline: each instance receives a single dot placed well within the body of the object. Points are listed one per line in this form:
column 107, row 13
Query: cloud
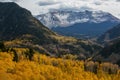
column 44, row 6
column 97, row 2
column 48, row 2
column 118, row 0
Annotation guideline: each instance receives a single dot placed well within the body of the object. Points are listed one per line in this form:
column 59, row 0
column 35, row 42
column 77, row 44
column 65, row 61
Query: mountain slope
column 111, row 34
column 16, row 22
column 111, row 52
column 18, row 28
column 79, row 24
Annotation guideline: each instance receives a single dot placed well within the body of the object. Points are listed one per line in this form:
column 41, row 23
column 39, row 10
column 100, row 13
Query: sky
column 44, row 6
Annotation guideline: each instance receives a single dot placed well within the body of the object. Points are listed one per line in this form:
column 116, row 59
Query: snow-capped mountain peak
column 64, row 18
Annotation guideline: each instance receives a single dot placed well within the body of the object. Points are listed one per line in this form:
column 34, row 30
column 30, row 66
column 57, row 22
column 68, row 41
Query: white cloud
column 43, row 6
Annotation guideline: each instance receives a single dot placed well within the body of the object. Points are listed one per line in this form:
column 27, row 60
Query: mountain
column 81, row 24
column 18, row 28
column 16, row 22
column 111, row 34
column 111, row 52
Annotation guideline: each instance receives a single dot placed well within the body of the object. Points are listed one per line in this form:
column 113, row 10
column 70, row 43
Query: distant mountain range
column 82, row 24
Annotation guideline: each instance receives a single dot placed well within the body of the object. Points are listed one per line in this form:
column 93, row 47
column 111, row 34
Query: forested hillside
column 27, row 64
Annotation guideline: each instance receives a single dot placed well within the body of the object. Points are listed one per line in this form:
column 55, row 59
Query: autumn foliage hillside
column 19, row 64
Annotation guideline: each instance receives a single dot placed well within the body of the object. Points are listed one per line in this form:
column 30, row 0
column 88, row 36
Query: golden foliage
column 64, row 39
column 46, row 68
